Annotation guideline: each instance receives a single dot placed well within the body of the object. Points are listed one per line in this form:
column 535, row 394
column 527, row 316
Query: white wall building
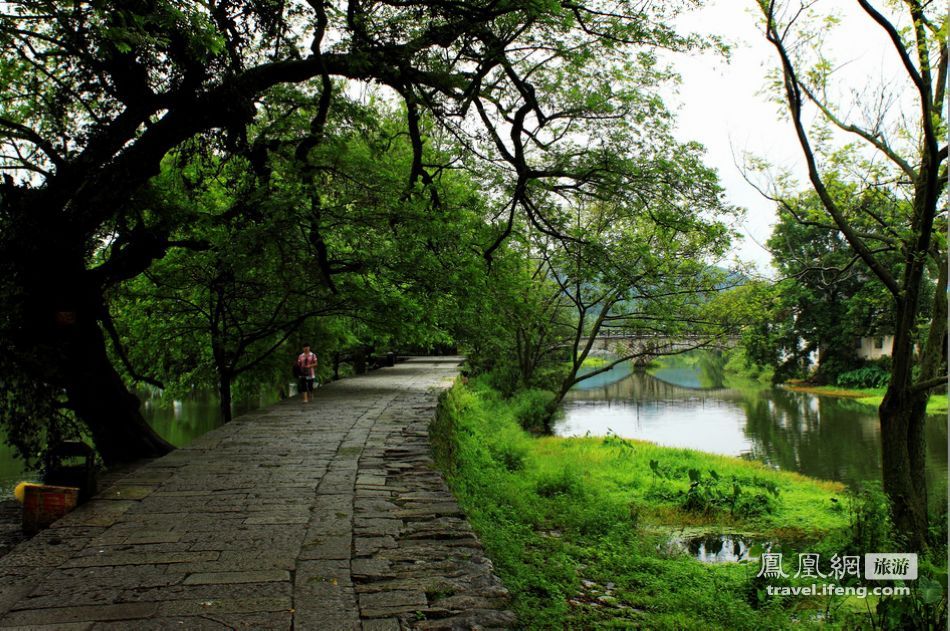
column 875, row 347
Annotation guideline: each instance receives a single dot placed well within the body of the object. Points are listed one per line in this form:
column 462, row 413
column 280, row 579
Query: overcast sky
column 719, row 103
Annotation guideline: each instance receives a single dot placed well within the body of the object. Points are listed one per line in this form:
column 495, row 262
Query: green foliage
column 864, row 377
column 502, row 376
column 32, row 418
column 240, row 303
column 875, row 211
column 740, row 367
column 826, row 300
column 707, row 494
column 549, row 376
column 214, row 194
column 564, row 482
column 512, row 457
column 533, row 409
column 870, row 518
column 925, row 608
column 641, row 264
column 624, row 447
column 873, row 530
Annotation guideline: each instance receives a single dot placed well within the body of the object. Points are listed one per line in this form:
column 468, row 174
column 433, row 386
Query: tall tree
column 96, row 94
column 825, row 298
column 907, row 155
column 519, row 328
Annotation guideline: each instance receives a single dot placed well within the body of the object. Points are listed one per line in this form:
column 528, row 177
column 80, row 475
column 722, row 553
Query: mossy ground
column 580, row 529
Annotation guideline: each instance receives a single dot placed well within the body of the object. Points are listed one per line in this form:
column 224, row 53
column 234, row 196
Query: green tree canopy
column 534, row 101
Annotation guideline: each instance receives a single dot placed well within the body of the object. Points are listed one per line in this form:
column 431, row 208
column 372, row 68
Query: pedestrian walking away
column 306, row 371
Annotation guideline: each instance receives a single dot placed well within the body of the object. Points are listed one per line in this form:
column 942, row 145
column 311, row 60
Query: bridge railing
column 663, row 336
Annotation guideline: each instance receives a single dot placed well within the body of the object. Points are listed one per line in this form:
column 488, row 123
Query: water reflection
column 723, row 548
column 823, row 437
column 12, row 471
column 180, row 421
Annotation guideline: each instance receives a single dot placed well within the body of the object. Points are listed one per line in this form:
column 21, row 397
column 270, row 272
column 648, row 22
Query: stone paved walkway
column 322, row 516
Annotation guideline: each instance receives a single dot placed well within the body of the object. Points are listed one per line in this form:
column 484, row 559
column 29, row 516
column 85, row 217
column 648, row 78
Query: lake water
column 690, row 405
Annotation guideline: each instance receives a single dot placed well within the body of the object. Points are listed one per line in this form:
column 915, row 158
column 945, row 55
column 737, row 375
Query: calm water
column 690, row 406
column 177, row 421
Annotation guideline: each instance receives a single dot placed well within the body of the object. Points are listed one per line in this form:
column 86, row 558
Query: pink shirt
column 308, row 362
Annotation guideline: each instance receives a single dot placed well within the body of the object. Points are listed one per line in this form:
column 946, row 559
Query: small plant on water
column 707, row 494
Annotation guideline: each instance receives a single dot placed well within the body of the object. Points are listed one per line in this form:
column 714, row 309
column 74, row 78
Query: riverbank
column 590, row 532
column 866, row 396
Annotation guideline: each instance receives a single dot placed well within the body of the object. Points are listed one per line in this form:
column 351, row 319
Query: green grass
column 579, row 529
column 623, row 466
column 593, row 362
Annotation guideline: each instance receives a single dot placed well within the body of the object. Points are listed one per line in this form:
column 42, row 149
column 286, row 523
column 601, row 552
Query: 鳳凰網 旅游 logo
column 842, row 574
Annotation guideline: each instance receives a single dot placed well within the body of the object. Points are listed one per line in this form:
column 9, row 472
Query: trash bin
column 72, row 463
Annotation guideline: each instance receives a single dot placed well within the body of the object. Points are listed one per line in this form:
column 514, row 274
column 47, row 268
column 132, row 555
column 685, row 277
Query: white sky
column 720, row 103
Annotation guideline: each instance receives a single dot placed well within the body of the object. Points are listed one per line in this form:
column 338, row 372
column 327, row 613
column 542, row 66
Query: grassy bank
column 585, row 531
column 594, row 362
column 868, row 396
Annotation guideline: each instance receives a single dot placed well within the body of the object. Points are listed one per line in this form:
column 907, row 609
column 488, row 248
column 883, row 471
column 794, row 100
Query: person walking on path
column 307, row 363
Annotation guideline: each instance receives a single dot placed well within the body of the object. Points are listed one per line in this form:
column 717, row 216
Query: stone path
column 322, row 516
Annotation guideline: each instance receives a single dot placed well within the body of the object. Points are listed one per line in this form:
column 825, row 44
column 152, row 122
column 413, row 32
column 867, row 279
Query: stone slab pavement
column 323, row 516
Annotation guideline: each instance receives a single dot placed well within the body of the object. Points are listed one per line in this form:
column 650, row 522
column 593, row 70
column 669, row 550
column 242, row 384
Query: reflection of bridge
column 646, row 346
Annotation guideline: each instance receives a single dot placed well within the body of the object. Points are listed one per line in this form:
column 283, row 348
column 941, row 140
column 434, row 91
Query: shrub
column 533, row 409
column 871, row 527
column 548, row 376
column 503, row 378
column 442, row 430
column 871, row 376
column 750, row 505
column 707, row 494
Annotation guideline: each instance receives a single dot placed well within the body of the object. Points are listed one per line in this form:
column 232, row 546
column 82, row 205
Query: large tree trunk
column 60, row 328
column 903, row 418
column 100, row 399
column 903, row 414
column 224, row 392
column 908, row 414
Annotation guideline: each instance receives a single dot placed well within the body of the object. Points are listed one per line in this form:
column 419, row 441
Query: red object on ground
column 42, row 505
